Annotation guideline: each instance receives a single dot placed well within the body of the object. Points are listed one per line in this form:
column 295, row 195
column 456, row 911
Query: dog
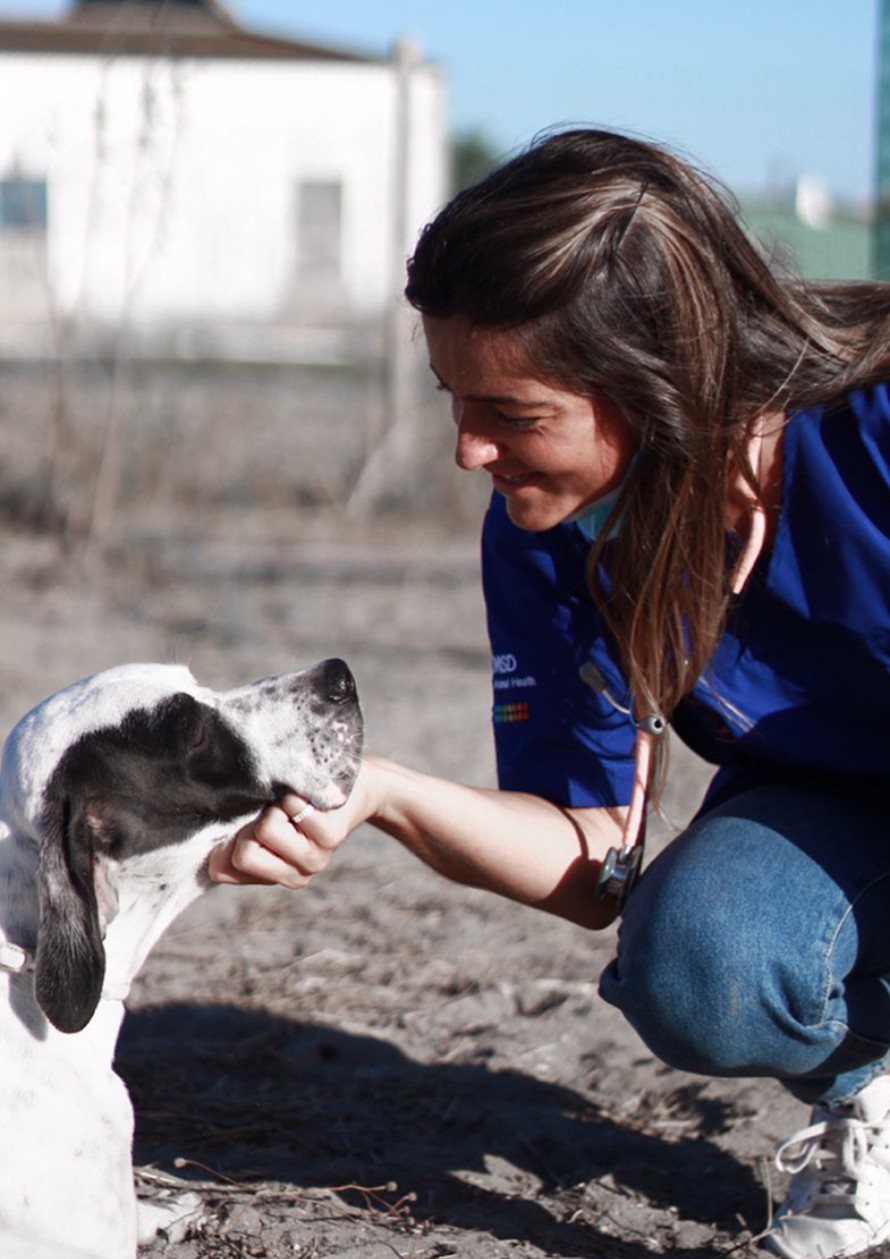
column 112, row 794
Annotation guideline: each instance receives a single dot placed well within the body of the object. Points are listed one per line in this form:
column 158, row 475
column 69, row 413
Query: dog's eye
column 188, row 723
column 195, row 734
column 197, row 738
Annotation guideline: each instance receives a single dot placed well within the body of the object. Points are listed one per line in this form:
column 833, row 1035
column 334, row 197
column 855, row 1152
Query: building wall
column 186, row 191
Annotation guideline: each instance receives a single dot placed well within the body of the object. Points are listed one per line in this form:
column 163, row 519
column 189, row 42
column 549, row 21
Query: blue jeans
column 758, row 942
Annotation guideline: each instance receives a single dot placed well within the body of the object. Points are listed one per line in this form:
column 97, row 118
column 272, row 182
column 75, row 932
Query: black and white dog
column 112, row 794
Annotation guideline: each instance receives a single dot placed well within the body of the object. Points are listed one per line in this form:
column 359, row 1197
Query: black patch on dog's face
column 161, row 775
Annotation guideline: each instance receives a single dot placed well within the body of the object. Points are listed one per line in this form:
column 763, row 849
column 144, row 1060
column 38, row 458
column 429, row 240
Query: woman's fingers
column 243, row 860
column 288, row 844
column 292, row 841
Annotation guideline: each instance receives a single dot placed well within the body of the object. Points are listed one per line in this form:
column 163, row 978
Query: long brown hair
column 624, row 271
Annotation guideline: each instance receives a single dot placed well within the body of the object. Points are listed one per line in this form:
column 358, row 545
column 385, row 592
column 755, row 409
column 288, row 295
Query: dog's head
column 140, row 760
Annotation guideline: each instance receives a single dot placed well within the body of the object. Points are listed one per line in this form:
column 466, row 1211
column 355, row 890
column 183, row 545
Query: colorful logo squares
column 506, row 713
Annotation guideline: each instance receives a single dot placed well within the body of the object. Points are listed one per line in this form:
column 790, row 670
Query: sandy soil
column 384, row 1064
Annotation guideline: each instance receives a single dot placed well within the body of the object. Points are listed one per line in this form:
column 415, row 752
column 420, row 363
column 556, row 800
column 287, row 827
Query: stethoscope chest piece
column 618, row 873
column 621, row 866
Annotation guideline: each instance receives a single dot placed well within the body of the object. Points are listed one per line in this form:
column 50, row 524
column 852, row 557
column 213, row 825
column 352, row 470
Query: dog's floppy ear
column 70, row 961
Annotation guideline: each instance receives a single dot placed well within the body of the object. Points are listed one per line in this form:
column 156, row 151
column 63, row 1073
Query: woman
column 690, row 457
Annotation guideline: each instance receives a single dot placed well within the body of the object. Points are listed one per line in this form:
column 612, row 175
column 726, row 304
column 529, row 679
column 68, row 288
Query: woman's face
column 548, row 451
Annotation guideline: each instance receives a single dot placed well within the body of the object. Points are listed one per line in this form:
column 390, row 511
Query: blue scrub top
column 801, row 678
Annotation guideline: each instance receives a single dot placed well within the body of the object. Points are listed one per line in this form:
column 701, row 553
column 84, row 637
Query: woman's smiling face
column 548, row 451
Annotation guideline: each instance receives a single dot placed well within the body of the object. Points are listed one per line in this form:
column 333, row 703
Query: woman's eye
column 517, row 421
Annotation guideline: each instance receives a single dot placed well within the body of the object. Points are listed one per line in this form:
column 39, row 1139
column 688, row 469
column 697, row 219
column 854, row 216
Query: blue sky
column 758, row 92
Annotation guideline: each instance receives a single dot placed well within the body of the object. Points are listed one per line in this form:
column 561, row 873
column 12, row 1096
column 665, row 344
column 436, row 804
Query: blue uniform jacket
column 801, row 678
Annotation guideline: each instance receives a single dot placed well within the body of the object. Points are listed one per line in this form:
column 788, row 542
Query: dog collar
column 14, row 959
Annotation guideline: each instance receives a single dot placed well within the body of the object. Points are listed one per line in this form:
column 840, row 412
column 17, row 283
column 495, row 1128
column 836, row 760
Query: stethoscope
column 621, row 865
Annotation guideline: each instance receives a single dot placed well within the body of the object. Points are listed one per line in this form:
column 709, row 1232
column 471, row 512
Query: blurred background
column 206, row 207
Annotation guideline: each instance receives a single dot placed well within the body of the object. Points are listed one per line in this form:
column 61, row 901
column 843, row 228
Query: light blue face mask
column 591, row 520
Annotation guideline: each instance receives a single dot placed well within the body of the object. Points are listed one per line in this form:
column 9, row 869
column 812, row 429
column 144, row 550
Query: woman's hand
column 289, row 843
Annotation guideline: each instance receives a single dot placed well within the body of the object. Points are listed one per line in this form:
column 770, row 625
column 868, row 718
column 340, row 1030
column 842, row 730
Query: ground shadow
column 259, row 1097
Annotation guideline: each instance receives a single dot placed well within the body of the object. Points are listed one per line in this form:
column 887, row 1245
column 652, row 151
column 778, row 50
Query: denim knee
column 683, row 974
column 736, row 946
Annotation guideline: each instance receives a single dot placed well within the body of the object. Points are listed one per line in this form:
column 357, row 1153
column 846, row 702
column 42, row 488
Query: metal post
column 881, row 225
column 402, row 394
column 388, row 469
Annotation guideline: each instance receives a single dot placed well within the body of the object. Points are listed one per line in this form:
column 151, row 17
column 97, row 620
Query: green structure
column 840, row 250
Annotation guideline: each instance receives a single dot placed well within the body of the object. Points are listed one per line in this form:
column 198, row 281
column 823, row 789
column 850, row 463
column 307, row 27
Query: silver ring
column 306, row 811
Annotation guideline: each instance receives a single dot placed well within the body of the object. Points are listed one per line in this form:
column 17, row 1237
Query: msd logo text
column 505, row 663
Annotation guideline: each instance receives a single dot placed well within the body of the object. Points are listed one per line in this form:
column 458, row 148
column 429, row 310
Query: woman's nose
column 473, row 449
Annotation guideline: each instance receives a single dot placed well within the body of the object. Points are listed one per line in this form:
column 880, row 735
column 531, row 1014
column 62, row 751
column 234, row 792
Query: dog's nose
column 337, row 682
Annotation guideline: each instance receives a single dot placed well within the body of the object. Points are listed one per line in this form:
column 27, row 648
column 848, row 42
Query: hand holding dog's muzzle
column 287, row 845
column 274, row 849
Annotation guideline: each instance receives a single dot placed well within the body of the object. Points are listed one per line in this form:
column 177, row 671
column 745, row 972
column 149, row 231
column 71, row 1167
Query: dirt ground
column 383, row 1064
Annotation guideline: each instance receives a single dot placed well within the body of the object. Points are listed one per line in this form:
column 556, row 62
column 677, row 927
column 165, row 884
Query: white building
column 165, row 171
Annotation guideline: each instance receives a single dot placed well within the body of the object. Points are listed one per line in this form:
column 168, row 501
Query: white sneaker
column 838, row 1202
